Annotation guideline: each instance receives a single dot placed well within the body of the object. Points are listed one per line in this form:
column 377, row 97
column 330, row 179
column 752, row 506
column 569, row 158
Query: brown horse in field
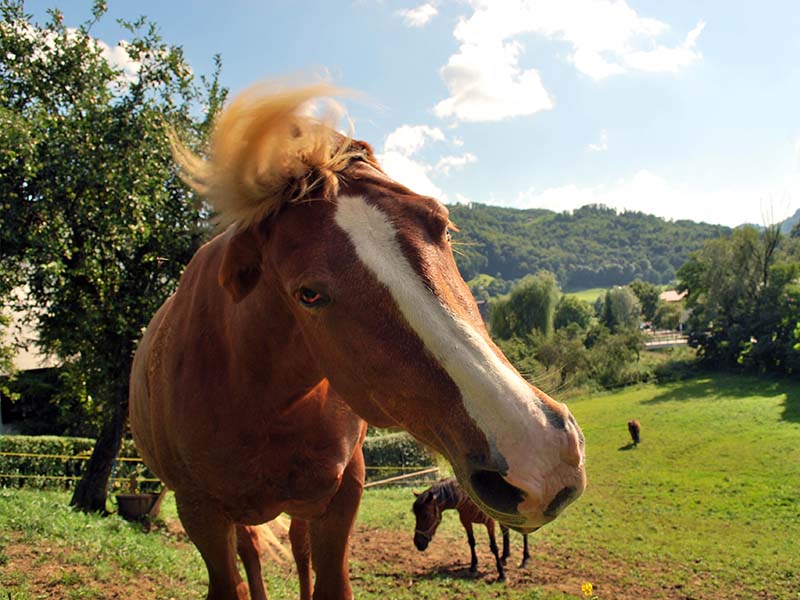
column 332, row 297
column 447, row 494
column 635, row 429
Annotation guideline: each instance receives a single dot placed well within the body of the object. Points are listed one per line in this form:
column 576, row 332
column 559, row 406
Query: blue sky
column 687, row 110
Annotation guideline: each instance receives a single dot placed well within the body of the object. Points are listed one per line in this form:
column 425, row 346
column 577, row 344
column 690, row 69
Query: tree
column 94, row 218
column 621, row 309
column 668, row 315
column 564, row 351
column 647, row 293
column 530, row 307
column 743, row 296
column 571, row 309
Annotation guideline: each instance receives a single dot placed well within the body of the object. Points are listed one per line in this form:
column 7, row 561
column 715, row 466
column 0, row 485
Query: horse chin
column 421, row 544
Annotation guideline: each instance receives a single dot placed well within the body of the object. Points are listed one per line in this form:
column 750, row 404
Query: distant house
column 29, row 359
column 673, row 295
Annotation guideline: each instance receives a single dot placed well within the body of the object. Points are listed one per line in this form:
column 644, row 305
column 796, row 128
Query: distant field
column 707, row 507
column 589, row 295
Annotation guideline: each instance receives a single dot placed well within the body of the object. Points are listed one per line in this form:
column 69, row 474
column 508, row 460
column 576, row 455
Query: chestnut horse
column 332, row 297
column 447, row 494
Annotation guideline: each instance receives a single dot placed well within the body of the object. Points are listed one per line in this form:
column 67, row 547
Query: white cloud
column 650, row 193
column 418, row 16
column 411, row 173
column 408, row 139
column 602, row 145
column 607, row 37
column 487, row 84
column 446, row 163
column 117, row 57
column 399, row 158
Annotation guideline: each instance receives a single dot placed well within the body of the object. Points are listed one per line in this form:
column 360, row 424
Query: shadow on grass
column 626, row 447
column 713, row 385
column 455, row 572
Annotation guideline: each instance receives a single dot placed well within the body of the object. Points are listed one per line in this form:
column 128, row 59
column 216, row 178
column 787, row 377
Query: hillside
column 593, row 246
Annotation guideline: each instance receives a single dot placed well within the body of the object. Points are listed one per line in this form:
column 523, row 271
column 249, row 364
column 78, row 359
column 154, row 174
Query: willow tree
column 529, row 308
column 94, row 220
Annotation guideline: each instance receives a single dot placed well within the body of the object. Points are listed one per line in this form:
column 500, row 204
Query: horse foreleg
column 330, row 534
column 215, row 537
column 249, row 551
column 473, row 563
column 506, row 551
column 493, row 547
column 301, row 550
column 525, row 555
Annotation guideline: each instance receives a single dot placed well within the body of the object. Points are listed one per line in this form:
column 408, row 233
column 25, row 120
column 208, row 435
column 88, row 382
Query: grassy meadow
column 589, row 295
column 707, row 507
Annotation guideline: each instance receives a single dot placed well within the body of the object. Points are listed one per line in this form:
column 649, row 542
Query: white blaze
column 501, row 403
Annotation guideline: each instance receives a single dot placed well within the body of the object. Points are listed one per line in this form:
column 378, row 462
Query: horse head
column 366, row 278
column 427, row 515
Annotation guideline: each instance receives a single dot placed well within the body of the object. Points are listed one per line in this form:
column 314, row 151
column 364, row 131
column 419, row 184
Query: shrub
column 396, row 450
column 62, row 463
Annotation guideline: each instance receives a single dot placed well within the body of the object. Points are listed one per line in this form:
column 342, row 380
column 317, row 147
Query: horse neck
column 450, row 495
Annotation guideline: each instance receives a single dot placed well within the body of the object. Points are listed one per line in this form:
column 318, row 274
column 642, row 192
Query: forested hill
column 593, row 246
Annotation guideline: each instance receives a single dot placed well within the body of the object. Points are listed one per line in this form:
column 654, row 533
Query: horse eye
column 448, row 236
column 311, row 298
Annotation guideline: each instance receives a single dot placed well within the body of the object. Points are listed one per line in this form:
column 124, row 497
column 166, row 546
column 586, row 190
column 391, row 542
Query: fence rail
column 399, row 472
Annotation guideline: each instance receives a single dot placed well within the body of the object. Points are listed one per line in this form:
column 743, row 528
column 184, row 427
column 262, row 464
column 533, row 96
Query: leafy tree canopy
column 593, row 246
column 94, row 220
column 745, row 301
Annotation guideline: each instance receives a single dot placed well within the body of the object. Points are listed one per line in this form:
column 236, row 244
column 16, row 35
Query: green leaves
column 94, row 218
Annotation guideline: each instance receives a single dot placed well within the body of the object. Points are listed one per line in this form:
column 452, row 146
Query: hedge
column 56, row 471
column 396, row 450
column 390, row 450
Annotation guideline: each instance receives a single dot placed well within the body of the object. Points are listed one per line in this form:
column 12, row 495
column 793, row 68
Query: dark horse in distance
column 447, row 494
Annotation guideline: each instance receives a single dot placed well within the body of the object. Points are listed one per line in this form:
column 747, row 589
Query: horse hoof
column 523, row 564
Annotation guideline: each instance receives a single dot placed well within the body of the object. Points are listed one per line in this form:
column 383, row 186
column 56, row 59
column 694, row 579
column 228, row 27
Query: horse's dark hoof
column 501, row 579
column 523, row 564
column 503, row 561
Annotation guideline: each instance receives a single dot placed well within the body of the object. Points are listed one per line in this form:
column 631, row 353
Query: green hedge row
column 59, row 469
column 389, row 450
column 396, row 450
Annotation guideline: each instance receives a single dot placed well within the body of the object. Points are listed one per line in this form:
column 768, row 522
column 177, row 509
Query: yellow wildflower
column 587, row 589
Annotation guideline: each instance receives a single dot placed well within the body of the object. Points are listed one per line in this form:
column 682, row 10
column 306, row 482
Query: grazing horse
column 635, row 429
column 331, row 298
column 447, row 494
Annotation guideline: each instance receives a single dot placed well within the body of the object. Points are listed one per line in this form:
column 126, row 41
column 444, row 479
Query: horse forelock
column 266, row 152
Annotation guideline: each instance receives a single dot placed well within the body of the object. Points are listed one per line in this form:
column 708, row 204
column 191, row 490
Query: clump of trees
column 558, row 339
column 95, row 224
column 744, row 296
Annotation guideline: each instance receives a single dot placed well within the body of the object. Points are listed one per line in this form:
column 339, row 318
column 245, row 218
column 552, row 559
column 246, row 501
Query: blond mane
column 264, row 152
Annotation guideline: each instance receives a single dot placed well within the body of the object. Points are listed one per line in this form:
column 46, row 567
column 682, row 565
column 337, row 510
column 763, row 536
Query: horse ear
column 241, row 265
column 416, row 494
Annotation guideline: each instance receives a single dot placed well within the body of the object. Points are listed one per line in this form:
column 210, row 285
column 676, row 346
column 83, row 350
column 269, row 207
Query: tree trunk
column 92, row 489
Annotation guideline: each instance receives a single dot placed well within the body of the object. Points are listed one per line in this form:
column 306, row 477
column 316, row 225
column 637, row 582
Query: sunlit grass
column 707, row 504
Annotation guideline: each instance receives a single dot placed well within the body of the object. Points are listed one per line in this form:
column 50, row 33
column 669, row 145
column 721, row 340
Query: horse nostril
column 496, row 492
column 562, row 499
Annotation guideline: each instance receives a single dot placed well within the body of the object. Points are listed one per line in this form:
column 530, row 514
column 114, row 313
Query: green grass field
column 707, row 507
column 589, row 295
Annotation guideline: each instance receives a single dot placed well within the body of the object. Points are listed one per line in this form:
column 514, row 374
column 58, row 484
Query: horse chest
column 268, row 466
